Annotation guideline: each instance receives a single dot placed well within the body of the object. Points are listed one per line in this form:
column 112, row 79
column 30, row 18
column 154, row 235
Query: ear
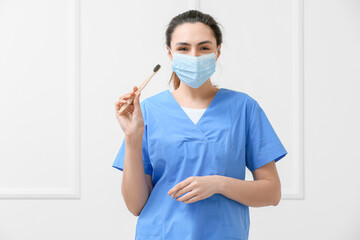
column 218, row 52
column 169, row 53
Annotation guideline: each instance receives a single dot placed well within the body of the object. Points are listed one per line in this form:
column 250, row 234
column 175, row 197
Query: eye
column 205, row 48
column 182, row 49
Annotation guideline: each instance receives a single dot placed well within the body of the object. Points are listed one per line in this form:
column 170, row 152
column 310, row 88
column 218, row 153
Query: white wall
column 64, row 63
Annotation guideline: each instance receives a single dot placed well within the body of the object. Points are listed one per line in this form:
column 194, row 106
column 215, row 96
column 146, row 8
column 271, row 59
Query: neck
column 207, row 90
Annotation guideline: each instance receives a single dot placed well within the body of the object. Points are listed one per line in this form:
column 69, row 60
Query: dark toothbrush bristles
column 157, row 67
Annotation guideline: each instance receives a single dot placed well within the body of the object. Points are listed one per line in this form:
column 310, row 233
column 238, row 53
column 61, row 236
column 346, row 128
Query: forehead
column 192, row 33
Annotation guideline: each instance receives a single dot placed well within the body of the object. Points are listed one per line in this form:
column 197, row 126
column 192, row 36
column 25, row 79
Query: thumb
column 137, row 102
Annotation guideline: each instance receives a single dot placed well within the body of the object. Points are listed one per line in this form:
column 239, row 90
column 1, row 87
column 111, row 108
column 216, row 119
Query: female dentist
column 184, row 153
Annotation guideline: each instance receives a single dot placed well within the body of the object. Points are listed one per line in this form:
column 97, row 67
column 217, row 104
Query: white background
column 64, row 63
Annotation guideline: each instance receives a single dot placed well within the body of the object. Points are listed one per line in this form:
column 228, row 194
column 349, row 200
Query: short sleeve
column 120, row 157
column 262, row 143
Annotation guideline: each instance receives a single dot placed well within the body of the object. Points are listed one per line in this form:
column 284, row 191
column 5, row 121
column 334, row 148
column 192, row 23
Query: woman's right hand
column 131, row 119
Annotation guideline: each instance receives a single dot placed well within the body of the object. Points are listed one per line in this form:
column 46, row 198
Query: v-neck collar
column 202, row 116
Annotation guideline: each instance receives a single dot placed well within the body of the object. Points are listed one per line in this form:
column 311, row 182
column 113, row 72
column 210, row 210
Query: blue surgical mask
column 194, row 71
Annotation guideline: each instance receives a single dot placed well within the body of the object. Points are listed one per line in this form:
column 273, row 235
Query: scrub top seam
column 250, row 122
column 236, row 118
column 228, row 140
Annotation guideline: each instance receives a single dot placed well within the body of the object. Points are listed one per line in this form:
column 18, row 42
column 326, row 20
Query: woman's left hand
column 196, row 188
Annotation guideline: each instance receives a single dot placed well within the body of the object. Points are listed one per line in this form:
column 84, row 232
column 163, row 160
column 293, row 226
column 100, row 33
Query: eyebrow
column 185, row 43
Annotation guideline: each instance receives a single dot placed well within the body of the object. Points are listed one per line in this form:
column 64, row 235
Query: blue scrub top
column 233, row 132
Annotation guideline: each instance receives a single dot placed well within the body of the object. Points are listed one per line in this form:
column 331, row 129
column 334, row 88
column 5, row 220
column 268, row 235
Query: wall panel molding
column 71, row 188
column 297, row 191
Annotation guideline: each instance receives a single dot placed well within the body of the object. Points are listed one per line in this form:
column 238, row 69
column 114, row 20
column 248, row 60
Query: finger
column 137, row 102
column 186, row 197
column 181, row 184
column 193, row 199
column 124, row 112
column 128, row 109
column 175, row 188
column 127, row 96
column 119, row 103
column 185, row 189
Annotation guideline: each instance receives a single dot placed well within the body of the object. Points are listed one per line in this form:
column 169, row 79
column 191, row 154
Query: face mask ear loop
column 216, row 51
column 171, row 53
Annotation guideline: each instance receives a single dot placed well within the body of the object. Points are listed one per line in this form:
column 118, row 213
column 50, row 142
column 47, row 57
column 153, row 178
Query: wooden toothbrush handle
column 130, row 100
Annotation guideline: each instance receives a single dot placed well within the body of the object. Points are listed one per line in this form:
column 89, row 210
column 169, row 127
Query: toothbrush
column 130, row 100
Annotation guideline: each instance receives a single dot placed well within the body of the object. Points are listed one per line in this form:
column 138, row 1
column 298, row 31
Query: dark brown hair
column 191, row 16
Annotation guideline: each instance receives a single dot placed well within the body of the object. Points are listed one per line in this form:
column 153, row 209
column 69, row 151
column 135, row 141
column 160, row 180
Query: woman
column 185, row 152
